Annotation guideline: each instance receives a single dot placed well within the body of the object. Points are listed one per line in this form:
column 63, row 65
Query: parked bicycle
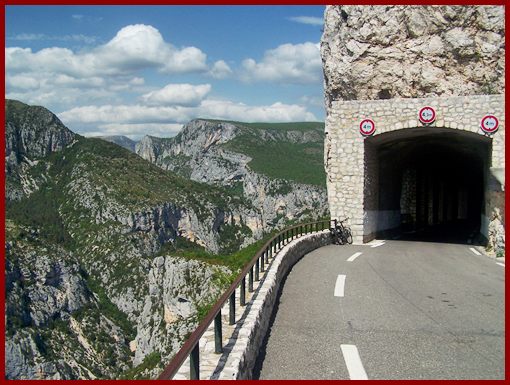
column 340, row 234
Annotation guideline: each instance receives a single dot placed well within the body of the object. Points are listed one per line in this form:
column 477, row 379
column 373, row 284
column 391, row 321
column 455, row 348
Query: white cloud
column 133, row 48
column 220, row 70
column 178, row 94
column 288, row 63
column 61, row 77
column 310, row 20
column 213, row 109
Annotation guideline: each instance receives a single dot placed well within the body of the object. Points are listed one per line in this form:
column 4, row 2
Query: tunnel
column 426, row 183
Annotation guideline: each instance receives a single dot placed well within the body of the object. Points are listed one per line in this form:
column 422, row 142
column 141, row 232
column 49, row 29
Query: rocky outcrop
column 201, row 153
column 31, row 133
column 384, row 52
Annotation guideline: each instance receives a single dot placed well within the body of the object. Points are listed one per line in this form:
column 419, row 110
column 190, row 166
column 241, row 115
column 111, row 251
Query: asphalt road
column 411, row 310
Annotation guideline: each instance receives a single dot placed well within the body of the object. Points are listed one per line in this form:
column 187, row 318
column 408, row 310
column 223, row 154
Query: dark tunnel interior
column 427, row 184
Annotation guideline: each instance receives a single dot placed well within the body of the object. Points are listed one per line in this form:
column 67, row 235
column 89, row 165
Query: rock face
column 384, row 52
column 30, row 132
column 202, row 152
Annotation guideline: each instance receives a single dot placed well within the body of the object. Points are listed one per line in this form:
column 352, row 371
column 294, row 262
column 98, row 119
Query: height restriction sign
column 489, row 124
column 367, row 127
column 427, row 115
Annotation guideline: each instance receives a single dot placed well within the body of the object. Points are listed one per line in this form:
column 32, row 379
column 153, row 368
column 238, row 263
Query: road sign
column 427, row 115
column 489, row 124
column 367, row 127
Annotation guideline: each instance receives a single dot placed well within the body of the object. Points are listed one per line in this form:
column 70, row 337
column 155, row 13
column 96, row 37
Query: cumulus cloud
column 288, row 63
column 220, row 70
column 310, row 20
column 111, row 68
column 133, row 48
column 177, row 94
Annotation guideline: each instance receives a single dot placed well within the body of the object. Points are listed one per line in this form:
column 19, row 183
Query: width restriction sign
column 427, row 115
column 489, row 124
column 367, row 127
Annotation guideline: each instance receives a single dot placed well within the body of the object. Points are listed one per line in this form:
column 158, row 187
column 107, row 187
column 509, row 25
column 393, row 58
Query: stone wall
column 349, row 161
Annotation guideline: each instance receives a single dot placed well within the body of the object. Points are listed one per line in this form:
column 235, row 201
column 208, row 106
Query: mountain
column 277, row 167
column 121, row 140
column 110, row 261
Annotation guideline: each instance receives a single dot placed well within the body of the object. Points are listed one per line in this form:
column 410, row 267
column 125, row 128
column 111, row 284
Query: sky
column 137, row 70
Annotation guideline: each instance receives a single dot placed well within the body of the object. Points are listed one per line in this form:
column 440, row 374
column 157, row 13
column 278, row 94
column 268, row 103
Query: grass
column 150, row 361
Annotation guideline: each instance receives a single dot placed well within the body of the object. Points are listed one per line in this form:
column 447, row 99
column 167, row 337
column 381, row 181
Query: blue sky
column 135, row 70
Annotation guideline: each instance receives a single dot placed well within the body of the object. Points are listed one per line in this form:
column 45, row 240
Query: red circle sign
column 427, row 115
column 367, row 127
column 489, row 124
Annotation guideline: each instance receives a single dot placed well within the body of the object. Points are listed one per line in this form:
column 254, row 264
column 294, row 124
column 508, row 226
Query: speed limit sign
column 427, row 115
column 489, row 124
column 367, row 127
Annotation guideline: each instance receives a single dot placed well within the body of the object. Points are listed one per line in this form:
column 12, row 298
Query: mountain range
column 113, row 256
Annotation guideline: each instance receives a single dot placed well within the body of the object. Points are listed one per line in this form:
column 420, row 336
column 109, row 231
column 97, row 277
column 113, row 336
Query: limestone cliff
column 218, row 153
column 383, row 52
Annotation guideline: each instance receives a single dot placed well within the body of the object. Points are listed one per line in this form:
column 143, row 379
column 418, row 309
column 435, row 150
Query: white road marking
column 339, row 286
column 353, row 362
column 500, row 264
column 377, row 244
column 474, row 251
column 354, row 256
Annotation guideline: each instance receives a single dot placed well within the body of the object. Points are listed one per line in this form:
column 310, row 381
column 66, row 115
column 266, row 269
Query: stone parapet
column 242, row 341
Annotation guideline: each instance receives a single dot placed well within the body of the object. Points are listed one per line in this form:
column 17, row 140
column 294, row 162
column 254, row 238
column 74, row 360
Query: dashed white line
column 475, row 251
column 500, row 264
column 339, row 286
column 353, row 362
column 354, row 256
column 377, row 244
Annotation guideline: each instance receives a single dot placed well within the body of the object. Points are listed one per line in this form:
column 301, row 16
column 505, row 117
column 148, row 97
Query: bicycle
column 340, row 234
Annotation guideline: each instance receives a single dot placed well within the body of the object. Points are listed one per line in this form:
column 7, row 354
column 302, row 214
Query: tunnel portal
column 426, row 183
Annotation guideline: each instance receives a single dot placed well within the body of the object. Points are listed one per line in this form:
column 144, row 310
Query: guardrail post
column 250, row 280
column 194, row 364
column 218, row 335
column 257, row 270
column 232, row 309
column 242, row 296
column 262, row 262
column 266, row 254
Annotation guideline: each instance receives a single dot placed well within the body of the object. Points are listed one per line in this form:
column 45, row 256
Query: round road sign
column 489, row 124
column 427, row 115
column 367, row 127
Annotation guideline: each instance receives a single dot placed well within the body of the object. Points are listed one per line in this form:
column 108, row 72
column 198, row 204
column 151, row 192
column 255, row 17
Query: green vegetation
column 292, row 126
column 150, row 361
column 110, row 310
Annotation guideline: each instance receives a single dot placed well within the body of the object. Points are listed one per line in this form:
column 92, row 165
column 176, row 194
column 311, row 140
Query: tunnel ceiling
column 411, row 141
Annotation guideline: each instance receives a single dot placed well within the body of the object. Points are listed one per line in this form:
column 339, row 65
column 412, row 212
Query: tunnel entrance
column 426, row 184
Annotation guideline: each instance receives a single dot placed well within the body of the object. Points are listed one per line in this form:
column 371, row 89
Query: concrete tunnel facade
column 412, row 176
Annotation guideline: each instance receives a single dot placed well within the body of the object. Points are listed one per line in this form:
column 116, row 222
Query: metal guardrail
column 253, row 270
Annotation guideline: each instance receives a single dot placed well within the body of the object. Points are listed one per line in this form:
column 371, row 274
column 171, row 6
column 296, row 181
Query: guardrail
column 252, row 270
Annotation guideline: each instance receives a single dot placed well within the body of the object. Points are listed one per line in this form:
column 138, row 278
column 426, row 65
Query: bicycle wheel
column 348, row 236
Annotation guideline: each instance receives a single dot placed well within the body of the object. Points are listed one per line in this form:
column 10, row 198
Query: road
column 401, row 310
